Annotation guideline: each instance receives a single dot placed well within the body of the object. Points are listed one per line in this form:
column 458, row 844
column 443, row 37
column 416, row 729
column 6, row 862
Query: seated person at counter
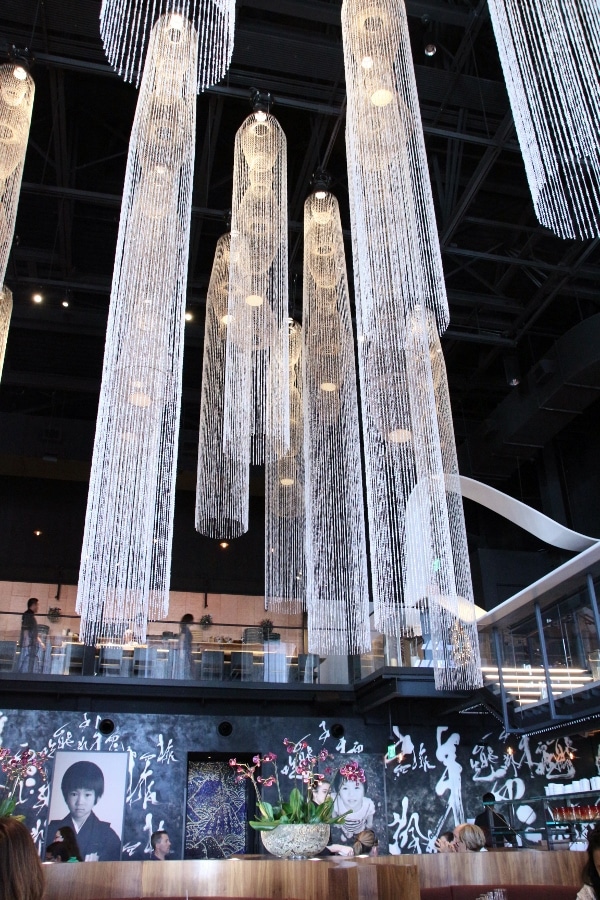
column 469, row 839
column 444, row 843
column 490, row 821
column 591, row 870
column 82, row 786
column 161, row 845
column 64, row 847
column 366, row 844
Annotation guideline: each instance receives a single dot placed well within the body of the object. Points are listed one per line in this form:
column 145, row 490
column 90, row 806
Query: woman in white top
column 591, row 878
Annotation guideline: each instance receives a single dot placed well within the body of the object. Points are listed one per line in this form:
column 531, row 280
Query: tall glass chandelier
column 222, row 487
column 285, row 570
column 6, row 305
column 125, row 28
column 126, row 554
column 256, row 372
column 549, row 50
column 400, row 297
column 16, row 104
column 336, row 556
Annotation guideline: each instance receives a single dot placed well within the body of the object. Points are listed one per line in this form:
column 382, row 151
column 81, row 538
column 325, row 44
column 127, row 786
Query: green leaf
column 266, row 810
column 7, row 807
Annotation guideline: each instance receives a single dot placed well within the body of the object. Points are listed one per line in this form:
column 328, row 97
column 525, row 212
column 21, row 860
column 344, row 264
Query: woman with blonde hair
column 469, row 839
column 21, row 873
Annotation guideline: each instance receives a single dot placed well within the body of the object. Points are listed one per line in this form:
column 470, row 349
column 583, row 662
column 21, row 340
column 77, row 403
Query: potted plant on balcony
column 298, row 827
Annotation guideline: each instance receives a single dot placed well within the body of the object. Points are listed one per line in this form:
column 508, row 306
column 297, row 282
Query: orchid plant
column 17, row 768
column 300, row 808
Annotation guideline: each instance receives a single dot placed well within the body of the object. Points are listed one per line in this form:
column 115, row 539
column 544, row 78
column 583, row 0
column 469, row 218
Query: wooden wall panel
column 303, row 880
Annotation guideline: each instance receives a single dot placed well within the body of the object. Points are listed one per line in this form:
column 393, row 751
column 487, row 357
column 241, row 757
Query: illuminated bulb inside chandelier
column 138, row 398
column 226, row 319
column 286, row 482
column 175, row 28
column 328, row 386
column 20, row 73
column 399, row 436
column 320, row 195
column 367, row 62
column 381, row 97
column 260, row 116
column 254, row 300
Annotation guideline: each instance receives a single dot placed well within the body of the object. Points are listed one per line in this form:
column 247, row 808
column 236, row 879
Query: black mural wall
column 435, row 780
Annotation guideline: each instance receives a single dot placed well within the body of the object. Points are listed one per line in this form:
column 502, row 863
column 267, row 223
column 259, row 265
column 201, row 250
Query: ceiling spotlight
column 37, row 298
column 37, row 533
column 188, row 317
column 430, row 49
column 65, row 303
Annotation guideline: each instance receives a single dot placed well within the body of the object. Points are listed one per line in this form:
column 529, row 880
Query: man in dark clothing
column 161, row 845
column 32, row 647
column 496, row 829
column 82, row 786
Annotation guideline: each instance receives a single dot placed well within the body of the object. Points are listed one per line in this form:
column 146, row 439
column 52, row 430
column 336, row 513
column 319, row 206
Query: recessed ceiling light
column 224, row 545
column 37, row 298
column 188, row 317
column 65, row 303
column 37, row 533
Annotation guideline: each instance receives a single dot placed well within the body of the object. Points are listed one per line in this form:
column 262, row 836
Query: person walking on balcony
column 32, row 646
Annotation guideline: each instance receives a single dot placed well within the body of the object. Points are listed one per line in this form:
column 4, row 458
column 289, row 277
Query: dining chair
column 212, row 664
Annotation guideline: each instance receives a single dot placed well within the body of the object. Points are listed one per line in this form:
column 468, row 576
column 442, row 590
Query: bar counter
column 300, row 879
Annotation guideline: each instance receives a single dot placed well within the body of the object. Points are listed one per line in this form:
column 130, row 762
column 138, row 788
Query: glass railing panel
column 223, row 653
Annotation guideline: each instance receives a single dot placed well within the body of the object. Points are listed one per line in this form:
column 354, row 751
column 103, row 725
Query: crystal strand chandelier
column 126, row 554
column 400, row 296
column 6, row 305
column 125, row 27
column 550, row 59
column 336, row 557
column 16, row 104
column 256, row 371
column 222, row 486
column 285, row 571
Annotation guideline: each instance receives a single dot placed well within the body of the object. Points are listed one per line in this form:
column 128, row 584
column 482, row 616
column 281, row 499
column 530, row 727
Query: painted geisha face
column 352, row 793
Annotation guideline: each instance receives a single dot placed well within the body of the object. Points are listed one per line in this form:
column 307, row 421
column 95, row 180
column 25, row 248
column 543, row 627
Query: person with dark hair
column 64, row 847
column 445, row 842
column 21, row 873
column 32, row 647
column 185, row 646
column 496, row 829
column 591, row 870
column 350, row 797
column 82, row 786
column 161, row 845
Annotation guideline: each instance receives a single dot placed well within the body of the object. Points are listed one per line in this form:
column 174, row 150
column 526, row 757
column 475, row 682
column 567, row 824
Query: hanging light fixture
column 550, row 59
column 285, row 570
column 125, row 27
column 126, row 554
column 336, row 557
column 256, row 372
column 16, row 103
column 222, row 487
column 6, row 305
column 400, row 297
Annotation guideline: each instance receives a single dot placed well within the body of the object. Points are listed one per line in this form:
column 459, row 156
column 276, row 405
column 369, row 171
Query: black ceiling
column 514, row 288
